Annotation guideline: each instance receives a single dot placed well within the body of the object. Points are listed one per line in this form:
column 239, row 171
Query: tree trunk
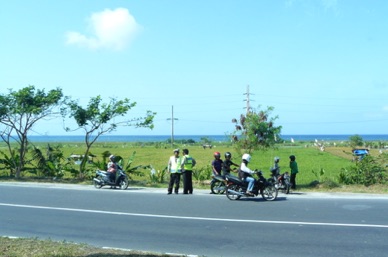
column 83, row 162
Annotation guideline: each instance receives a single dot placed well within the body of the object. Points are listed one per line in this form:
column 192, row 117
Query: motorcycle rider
column 247, row 173
column 112, row 168
column 226, row 166
column 276, row 169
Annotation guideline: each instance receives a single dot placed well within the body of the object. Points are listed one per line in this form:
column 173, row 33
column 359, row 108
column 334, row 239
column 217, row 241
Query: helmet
column 112, row 157
column 292, row 157
column 276, row 159
column 246, row 157
column 228, row 155
column 176, row 150
column 217, row 154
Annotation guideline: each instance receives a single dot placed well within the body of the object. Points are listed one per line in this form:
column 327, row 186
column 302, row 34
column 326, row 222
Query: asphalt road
column 298, row 224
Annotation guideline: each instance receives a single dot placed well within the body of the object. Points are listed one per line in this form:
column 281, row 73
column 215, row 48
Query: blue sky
column 321, row 64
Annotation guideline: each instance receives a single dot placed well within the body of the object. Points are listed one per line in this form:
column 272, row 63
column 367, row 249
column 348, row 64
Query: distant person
column 188, row 163
column 174, row 167
column 226, row 165
column 275, row 170
column 294, row 171
column 217, row 164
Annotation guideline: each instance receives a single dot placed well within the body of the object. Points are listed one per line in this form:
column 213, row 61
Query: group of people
column 178, row 166
column 183, row 166
column 293, row 167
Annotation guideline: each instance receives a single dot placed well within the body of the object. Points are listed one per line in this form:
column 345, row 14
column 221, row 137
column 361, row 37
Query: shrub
column 366, row 172
column 157, row 176
column 203, row 173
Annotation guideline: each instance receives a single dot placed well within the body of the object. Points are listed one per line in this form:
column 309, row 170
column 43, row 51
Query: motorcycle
column 102, row 179
column 218, row 185
column 282, row 182
column 236, row 188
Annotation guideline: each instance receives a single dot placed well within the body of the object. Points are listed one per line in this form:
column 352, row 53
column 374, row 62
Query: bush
column 366, row 172
column 203, row 173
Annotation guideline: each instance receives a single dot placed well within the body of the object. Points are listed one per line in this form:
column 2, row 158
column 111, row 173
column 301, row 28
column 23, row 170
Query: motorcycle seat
column 219, row 177
column 234, row 179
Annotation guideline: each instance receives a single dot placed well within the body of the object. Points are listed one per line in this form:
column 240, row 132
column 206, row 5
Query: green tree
column 356, row 140
column 19, row 112
column 255, row 131
column 99, row 118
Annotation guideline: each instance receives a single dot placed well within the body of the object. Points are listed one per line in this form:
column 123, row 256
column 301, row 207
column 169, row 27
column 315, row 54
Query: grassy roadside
column 27, row 247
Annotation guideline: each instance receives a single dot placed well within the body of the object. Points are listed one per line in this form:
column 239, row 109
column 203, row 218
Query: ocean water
column 196, row 138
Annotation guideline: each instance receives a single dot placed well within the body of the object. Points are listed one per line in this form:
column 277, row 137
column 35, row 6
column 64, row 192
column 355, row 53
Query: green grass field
column 311, row 160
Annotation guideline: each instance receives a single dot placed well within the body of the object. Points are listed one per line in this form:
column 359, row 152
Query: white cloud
column 110, row 29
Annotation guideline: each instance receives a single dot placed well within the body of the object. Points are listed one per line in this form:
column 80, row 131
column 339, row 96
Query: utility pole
column 248, row 100
column 172, row 125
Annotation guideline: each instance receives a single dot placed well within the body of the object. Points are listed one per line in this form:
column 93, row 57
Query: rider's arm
column 244, row 168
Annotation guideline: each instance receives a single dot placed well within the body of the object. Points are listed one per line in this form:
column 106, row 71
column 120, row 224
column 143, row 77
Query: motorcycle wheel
column 269, row 193
column 124, row 183
column 217, row 187
column 232, row 196
column 96, row 184
column 287, row 189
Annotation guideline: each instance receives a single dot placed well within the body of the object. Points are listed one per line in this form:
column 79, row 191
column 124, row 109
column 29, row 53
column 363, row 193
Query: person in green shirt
column 188, row 163
column 294, row 171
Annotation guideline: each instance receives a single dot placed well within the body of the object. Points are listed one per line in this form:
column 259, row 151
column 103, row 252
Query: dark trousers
column 175, row 178
column 292, row 181
column 187, row 182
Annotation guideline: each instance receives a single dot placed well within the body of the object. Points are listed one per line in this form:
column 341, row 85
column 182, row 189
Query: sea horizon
column 197, row 138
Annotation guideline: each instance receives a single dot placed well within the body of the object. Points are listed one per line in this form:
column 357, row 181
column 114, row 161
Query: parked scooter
column 102, row 179
column 218, row 185
column 282, row 182
column 236, row 188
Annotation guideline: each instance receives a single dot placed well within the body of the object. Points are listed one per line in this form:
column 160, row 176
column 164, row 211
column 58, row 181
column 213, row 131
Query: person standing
column 294, row 171
column 174, row 167
column 217, row 164
column 188, row 163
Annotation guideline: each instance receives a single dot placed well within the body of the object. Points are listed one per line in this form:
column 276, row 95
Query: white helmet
column 276, row 159
column 246, row 157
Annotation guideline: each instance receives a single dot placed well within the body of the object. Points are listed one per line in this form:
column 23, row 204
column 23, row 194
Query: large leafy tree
column 19, row 112
column 255, row 131
column 99, row 118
